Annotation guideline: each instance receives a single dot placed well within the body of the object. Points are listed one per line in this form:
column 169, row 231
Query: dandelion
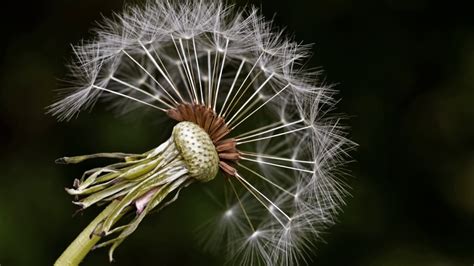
column 244, row 110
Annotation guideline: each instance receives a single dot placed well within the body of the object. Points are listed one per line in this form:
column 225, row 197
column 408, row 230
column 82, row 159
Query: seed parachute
column 244, row 109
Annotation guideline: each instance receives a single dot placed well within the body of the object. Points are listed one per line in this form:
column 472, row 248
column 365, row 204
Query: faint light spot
column 271, row 208
column 255, row 234
column 228, row 213
column 142, row 80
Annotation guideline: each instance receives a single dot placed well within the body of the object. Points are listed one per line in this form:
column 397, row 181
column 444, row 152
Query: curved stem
column 85, row 241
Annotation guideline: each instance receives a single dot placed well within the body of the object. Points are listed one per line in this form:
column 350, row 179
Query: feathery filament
column 262, row 119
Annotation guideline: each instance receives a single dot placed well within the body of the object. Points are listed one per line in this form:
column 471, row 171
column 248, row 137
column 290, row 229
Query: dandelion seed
column 247, row 111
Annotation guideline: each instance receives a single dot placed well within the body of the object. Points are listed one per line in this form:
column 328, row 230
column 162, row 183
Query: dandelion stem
column 85, row 241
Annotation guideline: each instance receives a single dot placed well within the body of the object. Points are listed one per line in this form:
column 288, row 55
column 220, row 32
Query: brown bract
column 217, row 129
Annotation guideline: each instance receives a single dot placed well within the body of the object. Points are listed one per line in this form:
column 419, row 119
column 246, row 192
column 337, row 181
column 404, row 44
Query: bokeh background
column 405, row 71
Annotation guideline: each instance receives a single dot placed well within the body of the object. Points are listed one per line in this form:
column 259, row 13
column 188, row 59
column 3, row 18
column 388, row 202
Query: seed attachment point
column 197, row 150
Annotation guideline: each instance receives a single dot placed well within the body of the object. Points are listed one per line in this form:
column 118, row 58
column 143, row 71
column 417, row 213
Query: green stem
column 85, row 241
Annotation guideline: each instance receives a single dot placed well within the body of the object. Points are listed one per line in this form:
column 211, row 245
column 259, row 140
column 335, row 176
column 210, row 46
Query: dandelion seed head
column 268, row 119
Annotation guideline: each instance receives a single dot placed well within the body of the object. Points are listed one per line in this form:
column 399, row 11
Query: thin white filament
column 160, row 70
column 249, row 189
column 184, row 76
column 150, row 75
column 140, row 90
column 265, row 103
column 129, row 97
column 198, row 70
column 189, row 73
column 241, row 205
column 242, row 84
column 274, row 136
column 263, row 196
column 260, row 155
column 232, row 86
column 276, row 165
column 220, row 74
column 209, row 79
column 251, row 97
column 267, row 180
column 269, row 130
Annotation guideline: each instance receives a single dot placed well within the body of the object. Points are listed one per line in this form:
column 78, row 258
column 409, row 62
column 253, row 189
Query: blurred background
column 405, row 71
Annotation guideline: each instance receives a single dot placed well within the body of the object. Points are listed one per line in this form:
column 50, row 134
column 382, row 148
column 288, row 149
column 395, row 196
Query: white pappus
column 264, row 117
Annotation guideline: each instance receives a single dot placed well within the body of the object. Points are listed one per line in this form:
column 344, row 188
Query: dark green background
column 405, row 70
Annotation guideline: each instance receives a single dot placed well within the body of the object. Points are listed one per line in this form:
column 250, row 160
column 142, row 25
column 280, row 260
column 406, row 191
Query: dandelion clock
column 242, row 109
